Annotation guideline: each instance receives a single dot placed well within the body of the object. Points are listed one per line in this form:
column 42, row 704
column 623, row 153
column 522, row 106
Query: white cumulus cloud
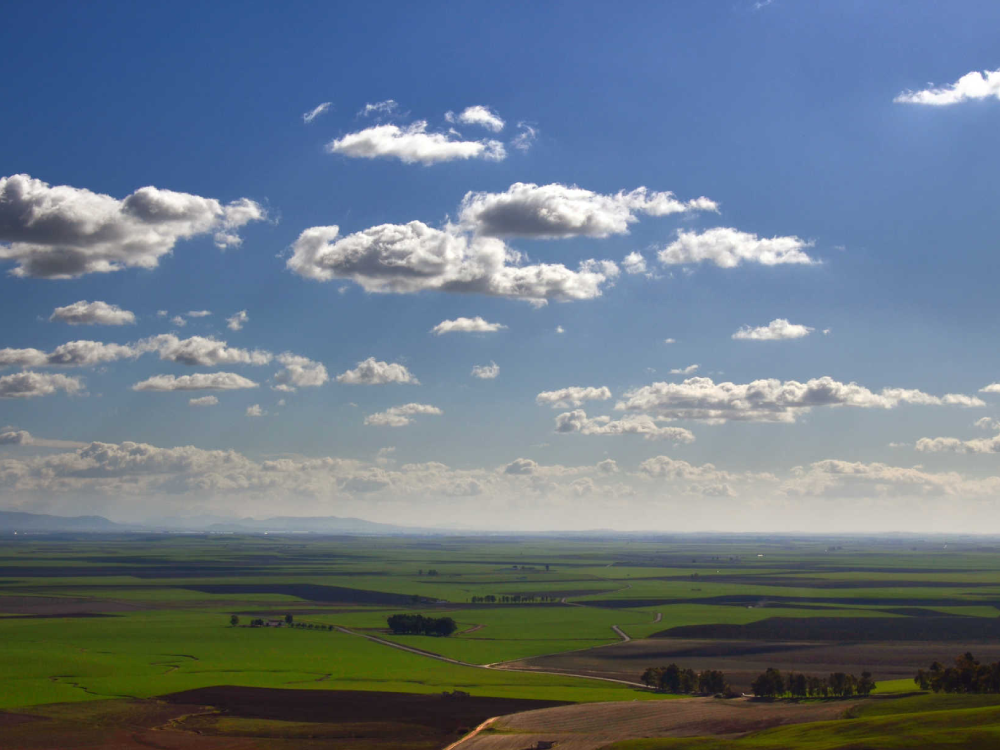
column 634, row 263
column 574, row 395
column 204, row 401
column 255, row 411
column 409, row 258
column 237, row 320
column 486, row 372
column 482, row 116
column 728, row 248
column 689, row 370
column 974, row 85
column 375, row 372
column 412, row 144
column 202, row 381
column 65, row 232
column 466, row 325
column 778, row 329
column 559, row 211
column 202, row 351
column 769, row 400
column 400, row 416
column 93, row 313
column 299, row 372
column 630, row 424
column 33, row 384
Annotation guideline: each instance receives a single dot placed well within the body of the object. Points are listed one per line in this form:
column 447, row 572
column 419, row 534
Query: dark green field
column 129, row 618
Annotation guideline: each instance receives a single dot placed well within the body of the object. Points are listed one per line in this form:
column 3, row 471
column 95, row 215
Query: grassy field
column 90, row 618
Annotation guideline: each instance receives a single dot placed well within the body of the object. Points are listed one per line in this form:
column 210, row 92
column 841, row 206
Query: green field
column 85, row 619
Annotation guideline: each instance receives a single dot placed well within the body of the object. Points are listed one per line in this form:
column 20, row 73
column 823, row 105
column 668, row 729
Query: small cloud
column 479, row 115
column 899, row 445
column 255, row 411
column 466, row 325
column 669, row 341
column 689, row 370
column 380, row 109
column 203, row 401
column 560, row 329
column 162, row 313
column 486, row 372
column 315, row 112
column 634, row 263
column 237, row 321
column 178, row 321
column 778, row 329
column 526, row 138
column 198, row 313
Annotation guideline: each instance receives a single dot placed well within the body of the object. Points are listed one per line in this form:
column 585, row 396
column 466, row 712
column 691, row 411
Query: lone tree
column 234, row 620
column 289, row 619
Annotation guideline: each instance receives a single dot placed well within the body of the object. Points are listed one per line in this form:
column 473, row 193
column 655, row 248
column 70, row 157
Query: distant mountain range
column 14, row 521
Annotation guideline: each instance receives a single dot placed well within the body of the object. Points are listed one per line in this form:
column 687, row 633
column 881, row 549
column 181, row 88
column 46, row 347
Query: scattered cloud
column 520, row 467
column 204, row 401
column 400, row 416
column 198, row 313
column 634, row 263
column 65, row 232
column 524, row 140
column 574, row 395
column 380, row 109
column 689, row 370
column 412, row 144
column 312, row 114
column 728, row 248
column 202, row 381
column 255, row 411
column 630, row 424
column 769, row 400
column 478, row 115
column 71, row 354
column 201, row 351
column 669, row 341
column 987, row 423
column 559, row 211
column 560, row 329
column 409, row 258
column 991, row 388
column 85, row 313
column 778, row 329
column 486, row 372
column 300, row 372
column 974, row 85
column 375, row 372
column 237, row 320
column 466, row 325
column 34, row 384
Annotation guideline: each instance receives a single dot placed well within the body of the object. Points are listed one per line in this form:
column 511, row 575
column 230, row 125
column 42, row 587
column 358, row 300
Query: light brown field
column 591, row 726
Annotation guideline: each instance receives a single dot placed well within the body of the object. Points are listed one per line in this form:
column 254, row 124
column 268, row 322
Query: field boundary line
column 473, row 733
column 494, row 666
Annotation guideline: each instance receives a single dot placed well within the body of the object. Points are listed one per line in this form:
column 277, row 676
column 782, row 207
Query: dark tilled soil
column 942, row 628
column 750, row 600
column 445, row 713
column 743, row 660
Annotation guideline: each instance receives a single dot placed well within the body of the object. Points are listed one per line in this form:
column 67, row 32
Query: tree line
column 420, row 625
column 967, row 676
column 772, row 684
column 511, row 599
column 675, row 679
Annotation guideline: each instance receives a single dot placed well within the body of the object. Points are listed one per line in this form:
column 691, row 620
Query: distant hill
column 11, row 521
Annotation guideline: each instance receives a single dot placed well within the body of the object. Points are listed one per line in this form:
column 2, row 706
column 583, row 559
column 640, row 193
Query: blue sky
column 844, row 151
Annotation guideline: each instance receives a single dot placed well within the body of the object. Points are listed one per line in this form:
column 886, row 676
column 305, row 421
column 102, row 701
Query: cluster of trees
column 420, row 625
column 967, row 676
column 674, row 679
column 772, row 684
column 511, row 599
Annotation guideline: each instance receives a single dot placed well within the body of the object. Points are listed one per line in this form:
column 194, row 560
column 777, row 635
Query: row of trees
column 967, row 676
column 674, row 679
column 511, row 599
column 420, row 625
column 772, row 684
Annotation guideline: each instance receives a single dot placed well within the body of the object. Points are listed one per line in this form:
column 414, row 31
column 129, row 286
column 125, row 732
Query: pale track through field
column 495, row 665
